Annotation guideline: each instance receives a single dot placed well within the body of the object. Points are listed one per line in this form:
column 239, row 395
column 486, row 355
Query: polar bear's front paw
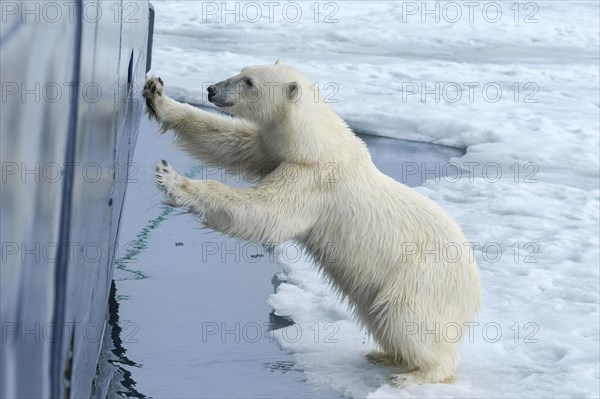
column 171, row 183
column 153, row 93
column 402, row 380
column 418, row 377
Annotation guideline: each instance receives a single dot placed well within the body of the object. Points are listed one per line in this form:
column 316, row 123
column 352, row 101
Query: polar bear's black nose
column 211, row 91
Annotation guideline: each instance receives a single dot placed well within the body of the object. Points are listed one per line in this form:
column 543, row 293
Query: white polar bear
column 402, row 263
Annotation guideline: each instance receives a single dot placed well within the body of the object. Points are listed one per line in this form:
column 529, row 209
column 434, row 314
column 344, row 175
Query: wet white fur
column 374, row 238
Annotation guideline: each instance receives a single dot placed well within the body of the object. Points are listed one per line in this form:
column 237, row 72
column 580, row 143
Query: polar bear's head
column 295, row 122
column 262, row 94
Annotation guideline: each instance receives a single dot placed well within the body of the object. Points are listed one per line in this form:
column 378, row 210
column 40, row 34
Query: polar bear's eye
column 249, row 82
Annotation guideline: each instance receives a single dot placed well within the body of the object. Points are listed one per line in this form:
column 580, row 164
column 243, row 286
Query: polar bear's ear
column 279, row 62
column 292, row 91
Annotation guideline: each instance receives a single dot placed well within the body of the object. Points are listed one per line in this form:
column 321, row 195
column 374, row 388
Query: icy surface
column 538, row 331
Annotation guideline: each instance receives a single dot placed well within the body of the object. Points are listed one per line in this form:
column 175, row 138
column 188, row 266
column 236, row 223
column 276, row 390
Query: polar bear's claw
column 153, row 92
column 400, row 380
column 154, row 85
column 417, row 377
column 169, row 182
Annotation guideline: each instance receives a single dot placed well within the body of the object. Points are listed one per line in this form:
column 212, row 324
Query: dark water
column 411, row 162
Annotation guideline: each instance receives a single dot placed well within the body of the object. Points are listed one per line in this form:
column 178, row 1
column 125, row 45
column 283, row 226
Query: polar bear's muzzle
column 219, row 95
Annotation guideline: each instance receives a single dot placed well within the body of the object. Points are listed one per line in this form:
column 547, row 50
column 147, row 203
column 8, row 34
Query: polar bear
column 400, row 261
